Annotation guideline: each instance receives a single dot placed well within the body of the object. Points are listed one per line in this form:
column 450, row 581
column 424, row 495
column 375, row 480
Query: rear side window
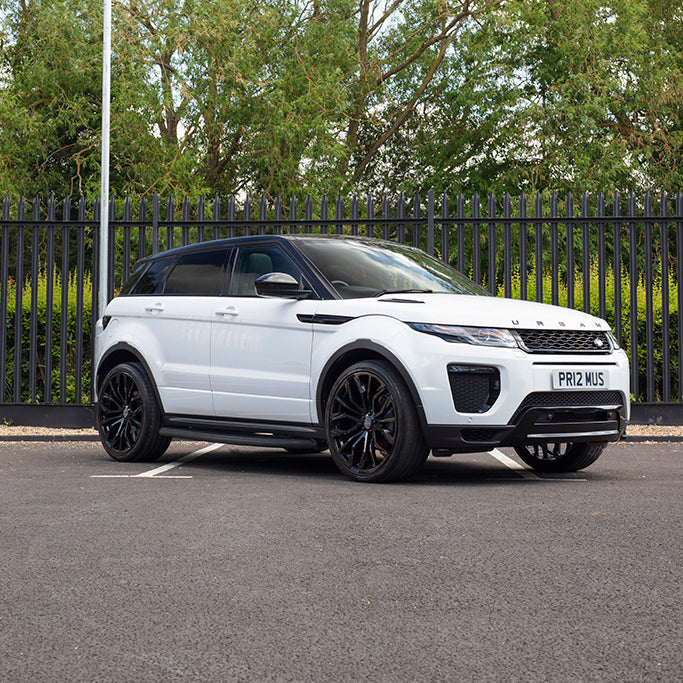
column 198, row 274
column 152, row 280
column 127, row 288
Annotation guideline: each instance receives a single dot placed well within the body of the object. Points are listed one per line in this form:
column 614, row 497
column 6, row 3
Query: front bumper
column 562, row 421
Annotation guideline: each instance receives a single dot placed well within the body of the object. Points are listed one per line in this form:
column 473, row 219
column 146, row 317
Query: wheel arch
column 355, row 352
column 123, row 353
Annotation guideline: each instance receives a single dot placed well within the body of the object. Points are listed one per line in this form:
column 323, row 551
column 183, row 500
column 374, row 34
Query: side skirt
column 242, row 432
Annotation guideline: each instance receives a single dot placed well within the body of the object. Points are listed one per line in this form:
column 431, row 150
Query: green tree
column 50, row 96
column 559, row 95
column 297, row 96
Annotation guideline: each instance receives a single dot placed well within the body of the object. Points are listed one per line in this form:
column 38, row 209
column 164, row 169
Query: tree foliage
column 296, row 96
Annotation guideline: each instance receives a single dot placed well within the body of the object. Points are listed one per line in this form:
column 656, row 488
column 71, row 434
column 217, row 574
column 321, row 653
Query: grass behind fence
column 67, row 349
column 65, row 352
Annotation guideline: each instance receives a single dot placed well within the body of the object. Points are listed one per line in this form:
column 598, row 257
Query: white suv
column 371, row 349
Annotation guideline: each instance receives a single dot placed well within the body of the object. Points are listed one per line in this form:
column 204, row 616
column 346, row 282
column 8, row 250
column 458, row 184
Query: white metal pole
column 104, row 188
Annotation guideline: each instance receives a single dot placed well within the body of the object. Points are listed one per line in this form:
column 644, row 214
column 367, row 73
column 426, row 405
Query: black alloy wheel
column 128, row 416
column 560, row 457
column 372, row 426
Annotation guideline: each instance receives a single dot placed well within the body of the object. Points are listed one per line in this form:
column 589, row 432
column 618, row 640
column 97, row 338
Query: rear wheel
column 128, row 416
column 372, row 426
column 560, row 457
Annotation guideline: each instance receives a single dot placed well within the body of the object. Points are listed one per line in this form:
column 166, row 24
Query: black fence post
column 445, row 229
column 476, row 239
column 18, row 300
column 679, row 280
column 49, row 296
column 155, row 224
column 586, row 252
column 460, row 215
column 4, row 299
column 430, row 222
column 617, row 266
column 554, row 252
column 571, row 264
column 507, row 246
column 323, row 215
column 633, row 276
column 538, row 214
column 523, row 249
column 664, row 260
column 602, row 284
column 262, row 215
column 493, row 266
column 64, row 314
column 201, row 219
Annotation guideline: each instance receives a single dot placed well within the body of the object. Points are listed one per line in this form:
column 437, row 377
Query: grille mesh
column 474, row 388
column 565, row 341
column 478, row 435
column 575, row 399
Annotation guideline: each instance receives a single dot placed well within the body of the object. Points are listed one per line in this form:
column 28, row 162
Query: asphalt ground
column 245, row 564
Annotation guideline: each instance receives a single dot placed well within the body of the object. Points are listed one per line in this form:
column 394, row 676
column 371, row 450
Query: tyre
column 128, row 415
column 372, row 427
column 560, row 457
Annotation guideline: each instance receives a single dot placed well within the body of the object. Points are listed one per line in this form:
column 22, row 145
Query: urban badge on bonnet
column 371, row 349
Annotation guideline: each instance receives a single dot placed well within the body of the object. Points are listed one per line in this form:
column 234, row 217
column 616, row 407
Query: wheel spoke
column 121, row 412
column 363, row 421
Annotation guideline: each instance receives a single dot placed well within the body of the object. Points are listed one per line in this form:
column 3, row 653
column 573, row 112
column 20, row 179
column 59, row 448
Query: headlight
column 482, row 336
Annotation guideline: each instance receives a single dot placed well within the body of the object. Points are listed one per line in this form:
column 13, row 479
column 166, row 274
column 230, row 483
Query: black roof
column 236, row 241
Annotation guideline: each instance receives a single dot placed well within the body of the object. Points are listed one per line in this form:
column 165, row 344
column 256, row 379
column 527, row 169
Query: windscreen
column 360, row 268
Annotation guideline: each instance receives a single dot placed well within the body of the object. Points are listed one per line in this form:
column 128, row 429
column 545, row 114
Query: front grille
column 565, row 341
column 574, row 399
column 475, row 388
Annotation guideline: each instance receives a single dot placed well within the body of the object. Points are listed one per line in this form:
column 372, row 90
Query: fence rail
column 619, row 258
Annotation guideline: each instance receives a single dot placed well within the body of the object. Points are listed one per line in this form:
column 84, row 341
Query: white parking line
column 523, row 472
column 163, row 468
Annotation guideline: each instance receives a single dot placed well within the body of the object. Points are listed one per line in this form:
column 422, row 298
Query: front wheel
column 560, row 457
column 372, row 425
column 128, row 415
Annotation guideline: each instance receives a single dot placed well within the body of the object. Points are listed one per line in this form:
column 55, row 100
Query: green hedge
column 70, row 346
column 624, row 314
column 69, row 349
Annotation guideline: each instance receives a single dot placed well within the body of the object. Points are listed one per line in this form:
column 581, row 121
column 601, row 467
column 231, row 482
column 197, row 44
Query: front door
column 260, row 348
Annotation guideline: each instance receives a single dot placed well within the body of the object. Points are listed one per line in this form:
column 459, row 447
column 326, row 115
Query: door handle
column 155, row 308
column 230, row 311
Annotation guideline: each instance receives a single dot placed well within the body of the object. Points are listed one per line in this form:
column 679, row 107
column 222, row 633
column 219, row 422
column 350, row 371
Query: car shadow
column 467, row 469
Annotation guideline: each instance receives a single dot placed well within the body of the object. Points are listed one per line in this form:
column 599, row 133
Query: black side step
column 237, row 439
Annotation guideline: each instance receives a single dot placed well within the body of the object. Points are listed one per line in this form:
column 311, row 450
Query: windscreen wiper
column 404, row 291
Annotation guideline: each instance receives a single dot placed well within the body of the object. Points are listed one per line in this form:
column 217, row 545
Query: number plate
column 580, row 378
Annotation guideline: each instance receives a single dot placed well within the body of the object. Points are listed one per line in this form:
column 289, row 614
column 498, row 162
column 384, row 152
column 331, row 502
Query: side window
column 198, row 274
column 252, row 262
column 152, row 279
column 138, row 270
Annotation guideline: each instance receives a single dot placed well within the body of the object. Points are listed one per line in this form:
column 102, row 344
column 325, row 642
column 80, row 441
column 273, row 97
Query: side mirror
column 281, row 286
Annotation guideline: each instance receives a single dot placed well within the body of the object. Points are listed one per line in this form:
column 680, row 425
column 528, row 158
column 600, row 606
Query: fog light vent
column 475, row 388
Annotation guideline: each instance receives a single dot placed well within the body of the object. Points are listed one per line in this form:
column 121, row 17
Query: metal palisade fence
column 620, row 258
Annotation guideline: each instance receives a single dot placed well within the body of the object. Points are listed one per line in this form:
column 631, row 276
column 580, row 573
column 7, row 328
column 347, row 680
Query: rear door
column 177, row 315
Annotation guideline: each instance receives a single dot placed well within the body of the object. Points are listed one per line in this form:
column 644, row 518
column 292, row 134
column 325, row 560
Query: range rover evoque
column 371, row 349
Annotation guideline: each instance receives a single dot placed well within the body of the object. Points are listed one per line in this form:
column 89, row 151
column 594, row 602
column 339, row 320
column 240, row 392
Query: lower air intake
column 475, row 388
